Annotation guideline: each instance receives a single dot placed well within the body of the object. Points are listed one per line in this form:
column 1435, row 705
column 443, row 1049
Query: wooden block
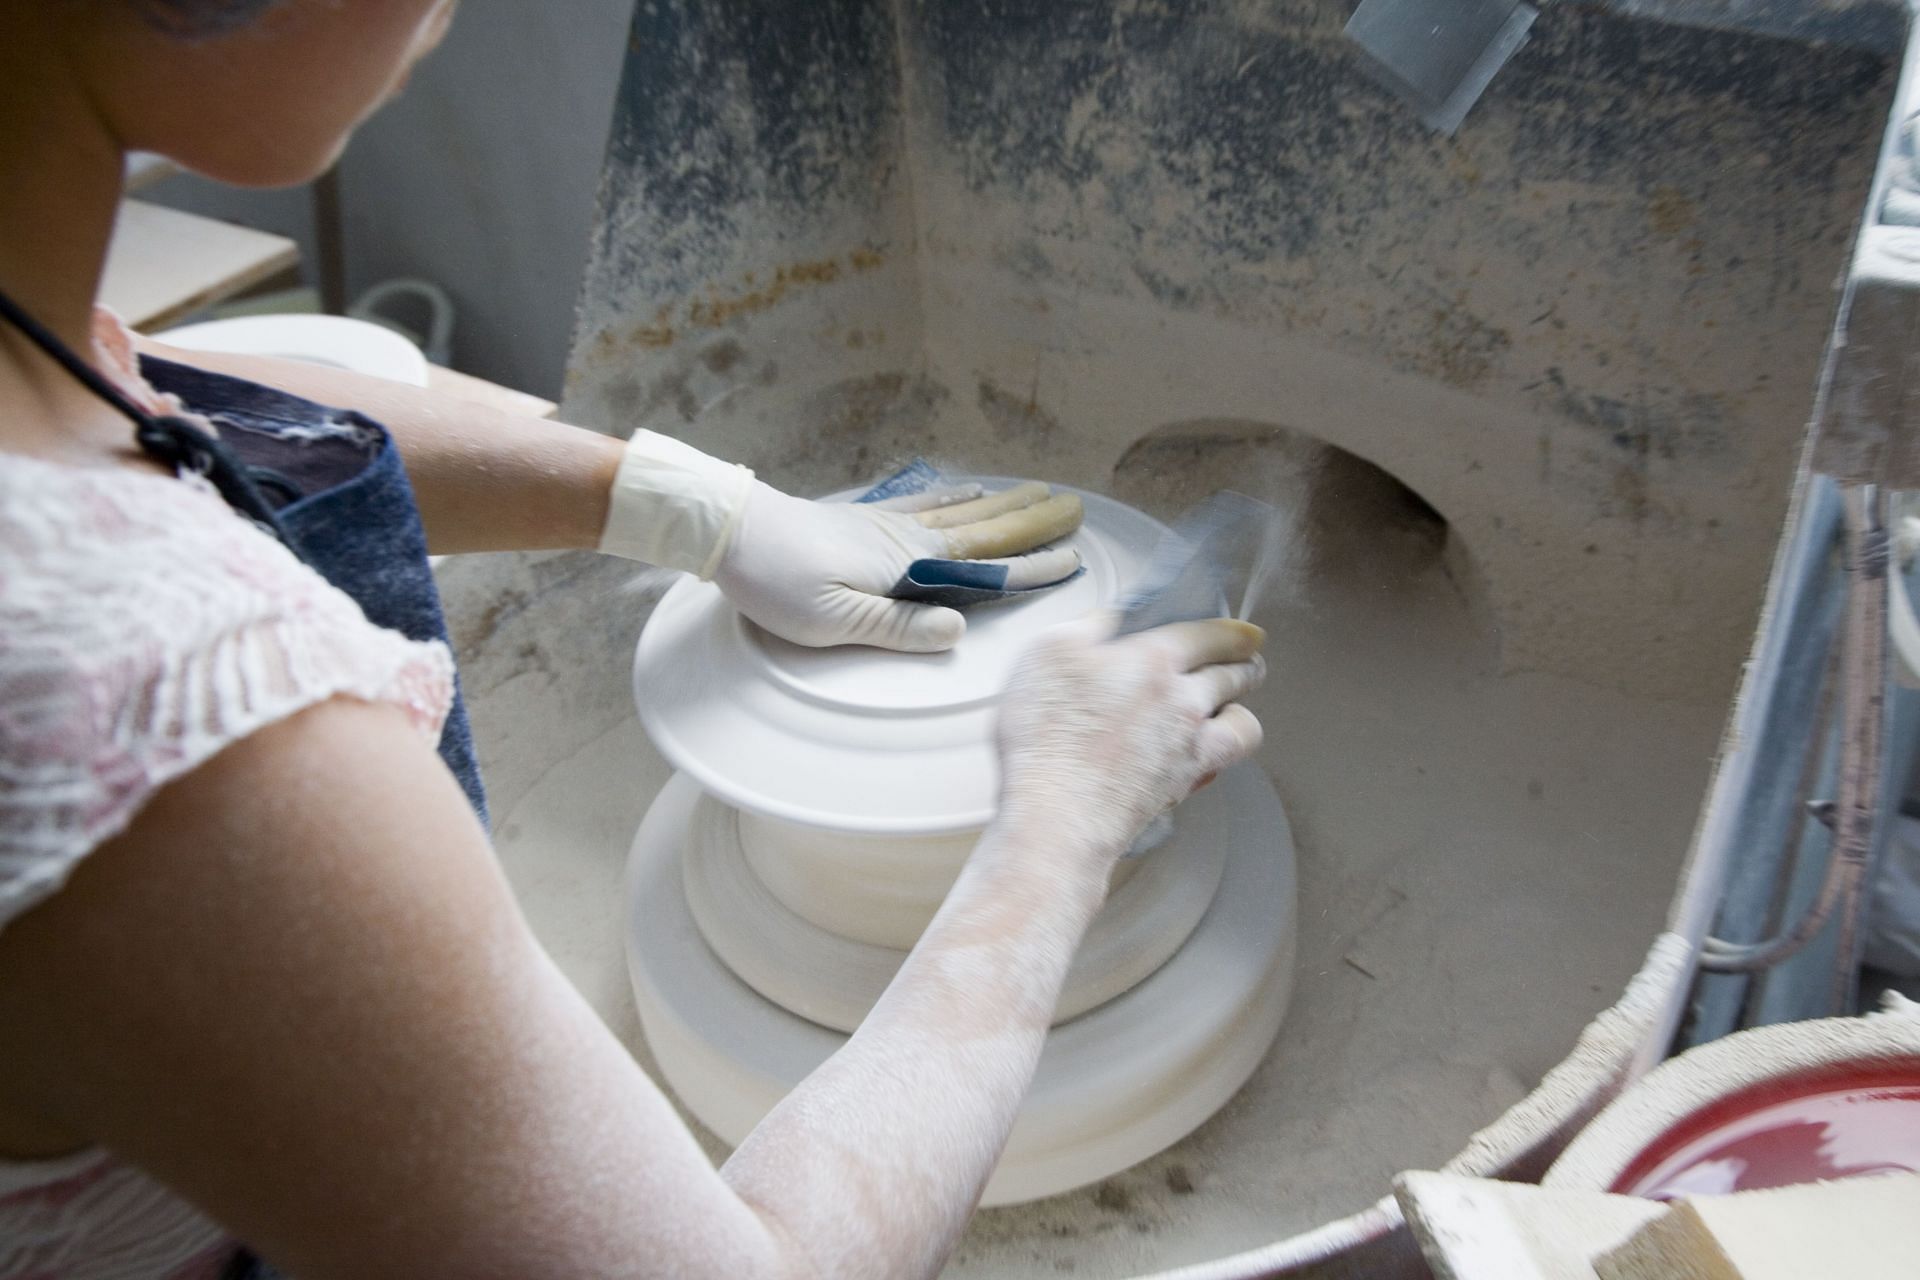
column 1480, row 1229
column 463, row 386
column 1859, row 1228
column 164, row 264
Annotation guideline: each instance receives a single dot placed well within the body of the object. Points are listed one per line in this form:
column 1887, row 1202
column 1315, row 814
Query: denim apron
column 344, row 506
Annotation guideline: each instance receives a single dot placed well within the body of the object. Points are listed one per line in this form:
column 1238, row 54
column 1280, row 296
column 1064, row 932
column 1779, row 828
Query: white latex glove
column 1099, row 736
column 817, row 573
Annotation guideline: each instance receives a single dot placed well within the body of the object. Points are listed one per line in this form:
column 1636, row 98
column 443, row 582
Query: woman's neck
column 57, row 208
column 64, row 169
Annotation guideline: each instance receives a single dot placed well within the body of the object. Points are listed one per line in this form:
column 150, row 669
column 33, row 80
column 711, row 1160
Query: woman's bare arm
column 486, row 480
column 298, row 991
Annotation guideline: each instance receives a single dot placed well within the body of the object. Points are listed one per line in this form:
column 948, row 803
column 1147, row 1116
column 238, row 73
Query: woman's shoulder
column 143, row 627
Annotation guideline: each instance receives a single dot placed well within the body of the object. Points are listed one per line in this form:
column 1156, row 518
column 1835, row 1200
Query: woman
column 260, row 978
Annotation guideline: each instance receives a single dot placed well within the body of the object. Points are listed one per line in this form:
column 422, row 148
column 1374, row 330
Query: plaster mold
column 1114, row 1086
column 757, row 942
column 832, row 973
column 876, row 890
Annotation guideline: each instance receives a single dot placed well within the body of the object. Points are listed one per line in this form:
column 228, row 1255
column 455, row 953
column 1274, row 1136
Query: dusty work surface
column 1149, row 249
column 1484, row 860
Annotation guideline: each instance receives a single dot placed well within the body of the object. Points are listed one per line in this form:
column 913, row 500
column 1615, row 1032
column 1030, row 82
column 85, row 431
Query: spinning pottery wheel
column 825, row 802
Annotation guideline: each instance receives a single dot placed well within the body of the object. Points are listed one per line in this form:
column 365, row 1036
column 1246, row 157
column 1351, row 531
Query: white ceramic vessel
column 338, row 342
column 825, row 803
column 833, row 977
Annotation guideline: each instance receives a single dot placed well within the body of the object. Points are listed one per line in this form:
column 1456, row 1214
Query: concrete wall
column 481, row 178
column 1585, row 330
column 753, row 280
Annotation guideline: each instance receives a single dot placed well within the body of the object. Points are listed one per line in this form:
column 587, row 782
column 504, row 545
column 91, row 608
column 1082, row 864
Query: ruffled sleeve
column 143, row 628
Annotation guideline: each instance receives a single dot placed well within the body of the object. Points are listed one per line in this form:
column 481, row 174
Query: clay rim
column 1693, row 1089
column 710, row 769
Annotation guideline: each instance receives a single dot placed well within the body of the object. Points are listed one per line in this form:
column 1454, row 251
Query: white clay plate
column 338, row 342
column 1113, row 1087
column 835, row 980
column 856, row 738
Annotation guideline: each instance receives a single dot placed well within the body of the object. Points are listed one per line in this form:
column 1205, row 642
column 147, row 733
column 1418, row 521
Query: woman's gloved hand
column 818, row 573
column 1099, row 736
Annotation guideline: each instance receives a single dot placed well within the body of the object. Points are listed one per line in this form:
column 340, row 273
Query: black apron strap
column 169, row 440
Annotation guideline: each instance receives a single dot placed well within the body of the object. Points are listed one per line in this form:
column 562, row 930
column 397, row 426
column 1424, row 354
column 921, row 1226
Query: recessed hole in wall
column 1355, row 527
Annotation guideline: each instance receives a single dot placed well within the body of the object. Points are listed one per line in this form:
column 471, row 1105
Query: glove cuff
column 673, row 506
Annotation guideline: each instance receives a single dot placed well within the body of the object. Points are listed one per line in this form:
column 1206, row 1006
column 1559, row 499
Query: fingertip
column 1243, row 725
column 1040, row 568
column 1205, row 641
column 1248, row 638
column 951, row 626
column 934, row 629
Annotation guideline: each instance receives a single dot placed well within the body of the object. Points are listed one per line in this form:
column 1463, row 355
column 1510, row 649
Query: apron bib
column 345, row 507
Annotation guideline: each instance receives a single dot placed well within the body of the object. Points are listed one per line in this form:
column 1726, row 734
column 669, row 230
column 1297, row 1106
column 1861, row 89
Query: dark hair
column 197, row 19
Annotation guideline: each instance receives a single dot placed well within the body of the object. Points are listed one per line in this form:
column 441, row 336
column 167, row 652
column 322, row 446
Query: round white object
column 876, row 889
column 1115, row 1086
column 834, row 980
column 337, row 342
column 850, row 738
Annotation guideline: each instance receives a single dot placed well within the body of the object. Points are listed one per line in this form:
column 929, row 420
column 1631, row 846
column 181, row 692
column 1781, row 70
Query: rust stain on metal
column 1669, row 211
column 657, row 334
column 1012, row 415
column 718, row 308
column 715, row 310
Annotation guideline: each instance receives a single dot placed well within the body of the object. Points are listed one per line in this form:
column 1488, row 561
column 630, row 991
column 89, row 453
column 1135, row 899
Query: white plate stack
column 825, row 802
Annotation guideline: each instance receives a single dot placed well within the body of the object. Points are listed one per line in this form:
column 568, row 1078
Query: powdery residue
column 1578, row 329
column 1465, row 849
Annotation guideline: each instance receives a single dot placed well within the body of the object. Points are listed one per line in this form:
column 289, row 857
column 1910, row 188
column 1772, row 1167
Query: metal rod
column 1863, row 761
column 1863, row 711
column 1805, row 808
column 329, row 230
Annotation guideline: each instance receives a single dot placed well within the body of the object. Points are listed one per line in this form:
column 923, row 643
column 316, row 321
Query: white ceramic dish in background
column 335, row 341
